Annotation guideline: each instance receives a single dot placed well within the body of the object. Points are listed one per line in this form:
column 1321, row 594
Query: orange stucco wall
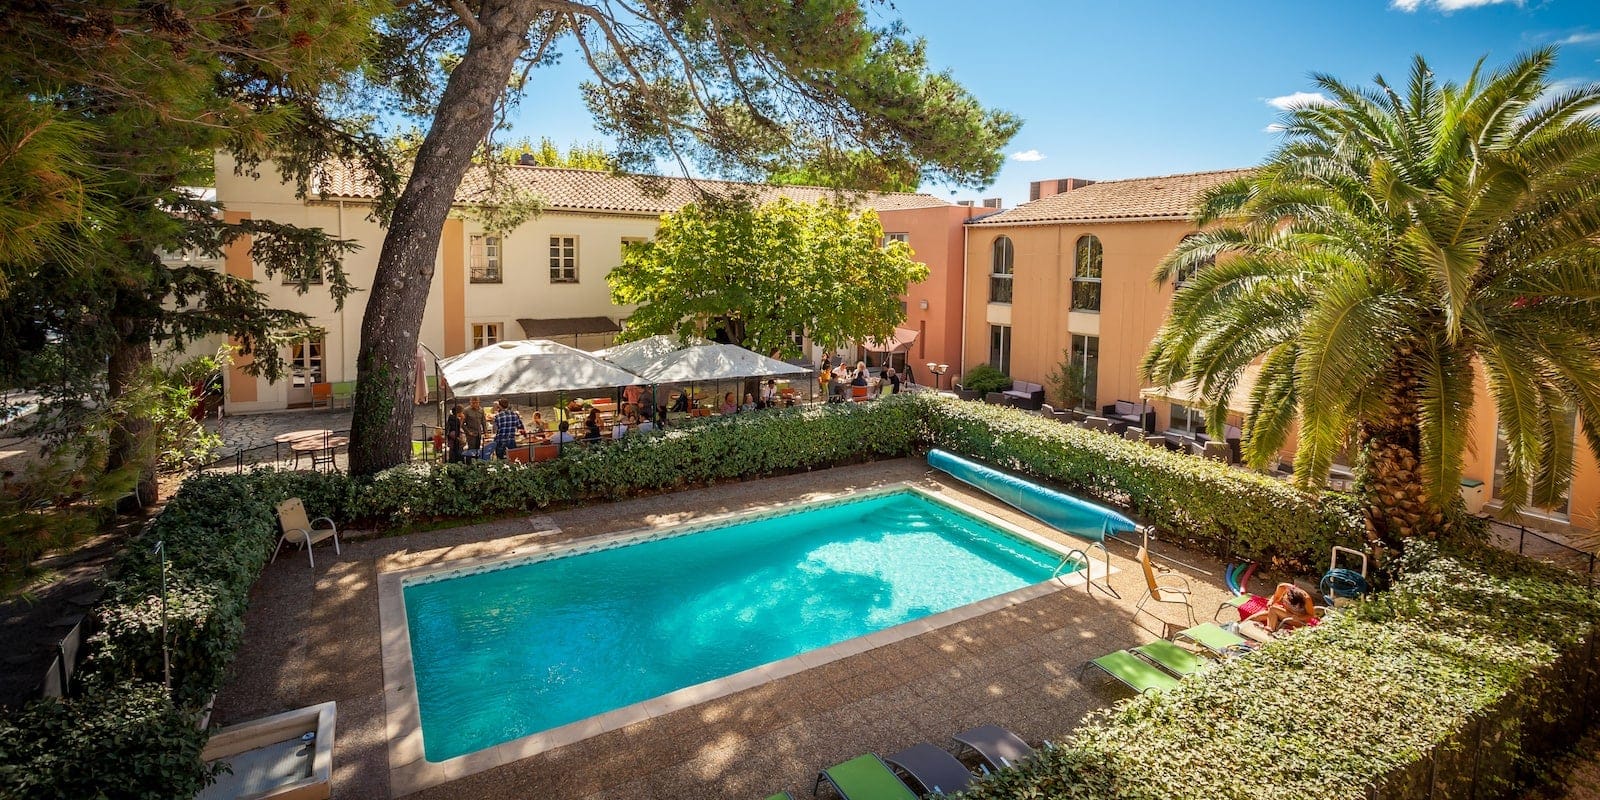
column 935, row 236
column 452, row 249
column 239, row 264
column 1132, row 306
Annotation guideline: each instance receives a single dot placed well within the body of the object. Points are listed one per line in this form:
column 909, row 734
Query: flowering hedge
column 1428, row 690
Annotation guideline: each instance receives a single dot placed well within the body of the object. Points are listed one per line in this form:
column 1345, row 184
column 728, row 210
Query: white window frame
column 563, row 259
column 484, row 334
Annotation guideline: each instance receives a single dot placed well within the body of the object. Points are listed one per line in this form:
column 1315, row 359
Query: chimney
column 1040, row 189
column 992, row 202
column 967, row 203
column 526, row 160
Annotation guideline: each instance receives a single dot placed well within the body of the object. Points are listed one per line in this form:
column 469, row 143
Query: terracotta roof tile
column 1167, row 196
column 589, row 190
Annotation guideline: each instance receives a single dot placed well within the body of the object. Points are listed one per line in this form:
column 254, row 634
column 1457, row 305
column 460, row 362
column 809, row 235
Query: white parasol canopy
column 710, row 361
column 637, row 356
column 902, row 339
column 530, row 367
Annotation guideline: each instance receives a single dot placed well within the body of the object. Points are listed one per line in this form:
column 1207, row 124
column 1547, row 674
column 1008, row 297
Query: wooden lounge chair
column 998, row 747
column 1171, row 657
column 1134, row 672
column 296, row 528
column 932, row 768
column 1164, row 588
column 1212, row 637
column 864, row 777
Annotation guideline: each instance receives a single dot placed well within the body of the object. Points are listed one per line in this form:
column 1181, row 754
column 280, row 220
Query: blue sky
column 1128, row 89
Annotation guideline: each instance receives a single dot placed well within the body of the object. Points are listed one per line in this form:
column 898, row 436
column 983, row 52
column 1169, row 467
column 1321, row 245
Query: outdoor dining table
column 319, row 448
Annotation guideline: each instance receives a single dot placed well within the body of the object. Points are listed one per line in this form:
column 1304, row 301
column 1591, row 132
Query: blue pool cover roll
column 1078, row 517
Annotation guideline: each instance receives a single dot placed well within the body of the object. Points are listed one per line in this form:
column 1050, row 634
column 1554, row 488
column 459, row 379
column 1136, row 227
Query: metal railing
column 1535, row 544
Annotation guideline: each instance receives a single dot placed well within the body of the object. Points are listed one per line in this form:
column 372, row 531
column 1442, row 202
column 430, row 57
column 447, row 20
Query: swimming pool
column 520, row 647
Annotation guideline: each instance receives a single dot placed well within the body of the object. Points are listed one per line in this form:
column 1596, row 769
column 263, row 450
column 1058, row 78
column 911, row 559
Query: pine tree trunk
column 380, row 431
column 130, row 434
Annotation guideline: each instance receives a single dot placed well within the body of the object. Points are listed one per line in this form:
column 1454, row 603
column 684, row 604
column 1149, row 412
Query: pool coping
column 409, row 769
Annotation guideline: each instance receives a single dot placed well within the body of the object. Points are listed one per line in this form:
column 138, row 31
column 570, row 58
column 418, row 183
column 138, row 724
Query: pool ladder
column 1080, row 555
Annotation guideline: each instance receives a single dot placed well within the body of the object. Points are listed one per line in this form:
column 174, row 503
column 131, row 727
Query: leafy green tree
column 754, row 276
column 730, row 86
column 120, row 106
column 581, row 155
column 1400, row 244
column 854, row 170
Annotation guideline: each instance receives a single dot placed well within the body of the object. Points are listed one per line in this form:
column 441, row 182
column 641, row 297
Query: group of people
column 835, row 380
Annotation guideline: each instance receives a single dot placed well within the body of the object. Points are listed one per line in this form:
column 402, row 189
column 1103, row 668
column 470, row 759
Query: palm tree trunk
column 1394, row 498
column 380, row 429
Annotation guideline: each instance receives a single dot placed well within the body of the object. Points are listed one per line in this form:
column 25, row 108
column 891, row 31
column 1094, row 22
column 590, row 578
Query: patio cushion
column 1126, row 408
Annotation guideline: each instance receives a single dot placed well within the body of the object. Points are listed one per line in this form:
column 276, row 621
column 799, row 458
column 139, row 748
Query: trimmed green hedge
column 1218, row 508
column 1429, row 689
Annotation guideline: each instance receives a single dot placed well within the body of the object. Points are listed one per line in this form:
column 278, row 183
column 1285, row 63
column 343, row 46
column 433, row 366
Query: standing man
column 507, row 424
column 474, row 426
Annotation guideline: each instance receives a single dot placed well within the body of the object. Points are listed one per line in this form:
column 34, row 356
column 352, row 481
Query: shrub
column 984, row 379
column 1222, row 509
column 126, row 741
column 1452, row 663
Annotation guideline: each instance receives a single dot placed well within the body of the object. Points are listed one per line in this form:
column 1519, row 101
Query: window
column 896, row 237
column 484, row 264
column 1187, row 420
column 485, row 334
column 1000, row 348
column 563, row 259
column 1564, row 505
column 1185, row 274
column 1086, row 356
column 305, row 362
column 1000, row 270
column 1086, row 275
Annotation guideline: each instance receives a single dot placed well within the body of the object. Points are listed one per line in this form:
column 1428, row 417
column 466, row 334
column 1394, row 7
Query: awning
column 639, row 355
column 711, row 361
column 567, row 326
column 530, row 367
column 902, row 340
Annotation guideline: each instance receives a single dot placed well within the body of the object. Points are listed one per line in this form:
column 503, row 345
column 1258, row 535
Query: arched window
column 1000, row 267
column 1086, row 275
column 1186, row 273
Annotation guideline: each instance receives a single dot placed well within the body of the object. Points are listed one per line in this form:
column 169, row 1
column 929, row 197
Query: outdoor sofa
column 1023, row 394
column 1128, row 413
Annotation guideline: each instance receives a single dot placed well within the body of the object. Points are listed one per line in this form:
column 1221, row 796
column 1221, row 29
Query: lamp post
column 166, row 655
column 938, row 371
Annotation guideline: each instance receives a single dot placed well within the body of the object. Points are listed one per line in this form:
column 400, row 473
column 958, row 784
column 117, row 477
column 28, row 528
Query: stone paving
column 313, row 635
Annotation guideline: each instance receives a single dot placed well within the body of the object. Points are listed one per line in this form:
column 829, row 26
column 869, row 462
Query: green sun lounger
column 864, row 777
column 1134, row 672
column 1171, row 657
column 1212, row 637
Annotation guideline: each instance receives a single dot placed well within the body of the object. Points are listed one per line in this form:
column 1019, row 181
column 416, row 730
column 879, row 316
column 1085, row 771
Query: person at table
column 769, row 394
column 824, row 376
column 729, row 406
column 591, row 425
column 749, row 403
column 474, row 427
column 632, row 394
column 507, row 426
column 891, row 380
column 562, row 436
column 455, row 434
column 648, row 410
column 859, row 376
column 682, row 401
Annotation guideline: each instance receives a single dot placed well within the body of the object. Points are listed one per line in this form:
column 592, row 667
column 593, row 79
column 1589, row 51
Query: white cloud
column 1299, row 100
column 1446, row 6
column 1579, row 38
column 1274, row 128
column 1028, row 155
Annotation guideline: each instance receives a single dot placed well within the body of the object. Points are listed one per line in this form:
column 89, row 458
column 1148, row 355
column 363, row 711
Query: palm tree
column 1391, row 251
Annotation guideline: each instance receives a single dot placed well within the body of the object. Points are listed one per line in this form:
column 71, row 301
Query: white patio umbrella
column 635, row 356
column 711, row 361
column 530, row 367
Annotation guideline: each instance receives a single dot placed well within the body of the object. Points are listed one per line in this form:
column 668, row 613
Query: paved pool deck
column 314, row 635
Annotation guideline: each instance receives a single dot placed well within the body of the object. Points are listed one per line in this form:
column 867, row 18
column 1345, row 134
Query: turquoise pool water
column 502, row 654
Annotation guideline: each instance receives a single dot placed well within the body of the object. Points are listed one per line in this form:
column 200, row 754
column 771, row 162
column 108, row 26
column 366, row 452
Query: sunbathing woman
column 1290, row 607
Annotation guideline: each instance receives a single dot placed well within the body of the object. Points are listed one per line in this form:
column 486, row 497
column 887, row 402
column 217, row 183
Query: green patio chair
column 1212, row 637
column 1171, row 657
column 864, row 777
column 1134, row 672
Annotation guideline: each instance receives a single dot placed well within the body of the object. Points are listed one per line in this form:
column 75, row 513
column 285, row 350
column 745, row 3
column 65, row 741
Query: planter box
column 271, row 758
